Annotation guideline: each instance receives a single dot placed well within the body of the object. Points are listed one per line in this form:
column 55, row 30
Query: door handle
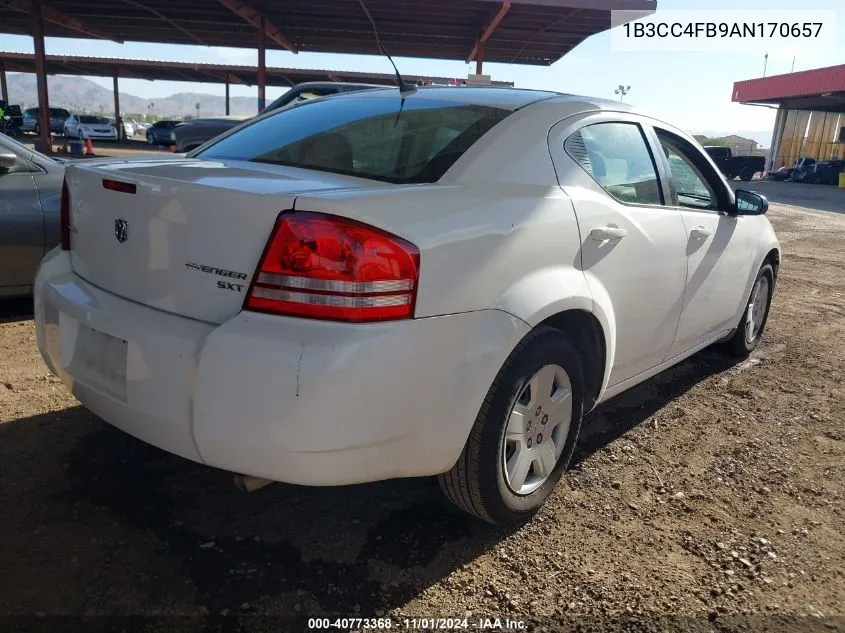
column 699, row 233
column 610, row 232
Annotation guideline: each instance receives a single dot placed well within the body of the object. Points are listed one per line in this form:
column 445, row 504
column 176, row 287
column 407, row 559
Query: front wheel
column 750, row 328
column 525, row 433
column 150, row 140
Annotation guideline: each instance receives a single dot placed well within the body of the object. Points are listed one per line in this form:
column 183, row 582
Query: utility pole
column 792, row 70
column 622, row 91
column 765, row 62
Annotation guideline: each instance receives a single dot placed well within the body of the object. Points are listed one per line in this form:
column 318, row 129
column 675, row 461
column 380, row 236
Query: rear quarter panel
column 495, row 232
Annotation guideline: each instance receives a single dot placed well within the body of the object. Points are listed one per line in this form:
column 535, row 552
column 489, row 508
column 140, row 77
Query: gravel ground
column 708, row 498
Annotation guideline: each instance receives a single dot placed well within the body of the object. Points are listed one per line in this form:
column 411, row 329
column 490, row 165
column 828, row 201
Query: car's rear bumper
column 294, row 400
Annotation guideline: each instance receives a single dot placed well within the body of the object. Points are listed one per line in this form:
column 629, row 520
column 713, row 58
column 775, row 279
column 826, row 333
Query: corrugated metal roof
column 206, row 73
column 530, row 31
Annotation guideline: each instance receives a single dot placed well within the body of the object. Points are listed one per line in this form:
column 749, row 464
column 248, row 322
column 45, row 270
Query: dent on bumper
column 293, row 400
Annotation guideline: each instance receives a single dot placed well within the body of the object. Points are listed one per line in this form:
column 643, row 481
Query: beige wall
column 810, row 134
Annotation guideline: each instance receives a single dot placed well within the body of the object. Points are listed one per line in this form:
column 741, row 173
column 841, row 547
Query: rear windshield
column 375, row 138
column 58, row 112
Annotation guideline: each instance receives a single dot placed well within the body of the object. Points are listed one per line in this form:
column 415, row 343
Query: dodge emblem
column 121, row 230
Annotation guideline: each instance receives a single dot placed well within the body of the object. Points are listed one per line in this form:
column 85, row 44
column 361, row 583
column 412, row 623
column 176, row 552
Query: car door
column 632, row 246
column 719, row 244
column 21, row 225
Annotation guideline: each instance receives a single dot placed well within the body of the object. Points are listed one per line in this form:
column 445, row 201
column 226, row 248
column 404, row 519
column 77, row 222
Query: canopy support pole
column 41, row 78
column 262, row 65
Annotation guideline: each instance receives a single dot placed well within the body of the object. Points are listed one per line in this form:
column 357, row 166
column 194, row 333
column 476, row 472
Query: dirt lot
column 709, row 498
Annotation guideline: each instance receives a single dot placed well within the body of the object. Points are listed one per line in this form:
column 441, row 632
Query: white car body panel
column 504, row 245
column 280, row 397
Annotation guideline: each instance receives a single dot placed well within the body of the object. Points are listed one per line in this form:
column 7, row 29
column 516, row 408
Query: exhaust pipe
column 248, row 483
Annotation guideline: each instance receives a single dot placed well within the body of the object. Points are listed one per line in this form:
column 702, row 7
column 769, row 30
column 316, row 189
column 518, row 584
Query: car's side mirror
column 7, row 161
column 750, row 203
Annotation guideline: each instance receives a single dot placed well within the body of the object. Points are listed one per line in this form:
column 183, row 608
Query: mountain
column 78, row 94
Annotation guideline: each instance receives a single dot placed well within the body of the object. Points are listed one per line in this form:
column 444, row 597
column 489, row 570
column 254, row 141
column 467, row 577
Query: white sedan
column 85, row 126
column 367, row 286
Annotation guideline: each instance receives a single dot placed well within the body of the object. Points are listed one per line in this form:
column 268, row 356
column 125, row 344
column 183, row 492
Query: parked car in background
column 128, row 129
column 814, row 172
column 732, row 166
column 828, row 171
column 803, row 169
column 30, row 122
column 191, row 134
column 30, row 188
column 14, row 118
column 374, row 286
column 781, row 173
column 85, row 126
column 159, row 132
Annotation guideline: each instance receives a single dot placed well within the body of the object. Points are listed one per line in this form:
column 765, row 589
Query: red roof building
column 811, row 112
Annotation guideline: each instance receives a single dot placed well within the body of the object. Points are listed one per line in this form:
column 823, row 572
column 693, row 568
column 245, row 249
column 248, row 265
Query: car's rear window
column 59, row 112
column 382, row 139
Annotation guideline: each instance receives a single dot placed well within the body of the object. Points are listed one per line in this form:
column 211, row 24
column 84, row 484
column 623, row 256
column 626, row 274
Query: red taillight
column 117, row 185
column 327, row 267
column 64, row 218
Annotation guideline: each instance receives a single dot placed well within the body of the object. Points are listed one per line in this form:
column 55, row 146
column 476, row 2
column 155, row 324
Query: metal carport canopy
column 206, row 73
column 820, row 89
column 511, row 31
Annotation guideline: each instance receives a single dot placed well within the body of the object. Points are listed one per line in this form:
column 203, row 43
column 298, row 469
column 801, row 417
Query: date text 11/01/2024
column 416, row 624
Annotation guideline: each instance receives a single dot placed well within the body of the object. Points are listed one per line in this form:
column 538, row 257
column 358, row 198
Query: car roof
column 333, row 84
column 498, row 97
column 507, row 98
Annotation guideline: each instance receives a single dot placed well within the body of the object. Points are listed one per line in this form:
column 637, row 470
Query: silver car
column 30, row 197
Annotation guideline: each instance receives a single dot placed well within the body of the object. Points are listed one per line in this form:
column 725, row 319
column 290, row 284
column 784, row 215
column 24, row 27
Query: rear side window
column 377, row 138
column 617, row 156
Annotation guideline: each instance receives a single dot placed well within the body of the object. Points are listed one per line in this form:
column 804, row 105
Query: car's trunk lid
column 188, row 239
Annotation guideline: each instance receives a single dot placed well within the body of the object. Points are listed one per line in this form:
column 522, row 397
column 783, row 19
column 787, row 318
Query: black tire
column 477, row 483
column 746, row 174
column 37, row 129
column 739, row 344
column 150, row 140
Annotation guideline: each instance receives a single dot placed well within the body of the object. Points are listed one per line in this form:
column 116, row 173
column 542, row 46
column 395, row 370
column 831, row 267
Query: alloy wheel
column 756, row 314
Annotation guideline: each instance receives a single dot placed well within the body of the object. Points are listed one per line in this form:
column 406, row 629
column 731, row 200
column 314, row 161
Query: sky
column 690, row 89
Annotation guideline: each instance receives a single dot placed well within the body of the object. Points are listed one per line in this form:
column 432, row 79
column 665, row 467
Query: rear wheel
column 525, row 433
column 37, row 129
column 750, row 328
column 150, row 139
column 746, row 174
